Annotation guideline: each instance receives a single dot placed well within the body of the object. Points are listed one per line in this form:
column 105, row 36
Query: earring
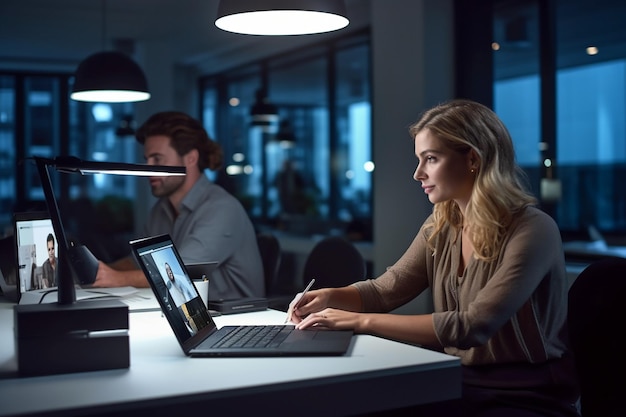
column 472, row 170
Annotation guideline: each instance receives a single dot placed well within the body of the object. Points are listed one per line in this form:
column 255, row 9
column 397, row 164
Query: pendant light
column 263, row 113
column 285, row 137
column 109, row 77
column 281, row 17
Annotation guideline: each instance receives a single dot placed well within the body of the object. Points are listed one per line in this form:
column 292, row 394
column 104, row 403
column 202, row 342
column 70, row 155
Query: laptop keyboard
column 253, row 337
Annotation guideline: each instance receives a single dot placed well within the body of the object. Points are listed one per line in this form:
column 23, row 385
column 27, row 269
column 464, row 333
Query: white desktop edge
column 156, row 356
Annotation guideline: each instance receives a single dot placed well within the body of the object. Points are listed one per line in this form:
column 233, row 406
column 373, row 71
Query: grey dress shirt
column 212, row 225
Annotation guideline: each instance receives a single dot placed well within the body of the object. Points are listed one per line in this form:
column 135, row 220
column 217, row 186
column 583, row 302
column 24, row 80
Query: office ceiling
column 57, row 34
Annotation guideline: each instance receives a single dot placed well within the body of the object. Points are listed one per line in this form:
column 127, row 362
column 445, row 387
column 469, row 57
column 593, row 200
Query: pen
column 306, row 289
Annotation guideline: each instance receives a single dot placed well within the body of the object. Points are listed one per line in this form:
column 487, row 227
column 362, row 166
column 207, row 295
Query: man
column 205, row 222
column 50, row 265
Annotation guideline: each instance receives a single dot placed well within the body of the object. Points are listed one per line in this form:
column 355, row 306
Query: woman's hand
column 332, row 319
column 312, row 301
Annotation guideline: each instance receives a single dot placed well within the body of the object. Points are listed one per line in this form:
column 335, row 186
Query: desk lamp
column 70, row 336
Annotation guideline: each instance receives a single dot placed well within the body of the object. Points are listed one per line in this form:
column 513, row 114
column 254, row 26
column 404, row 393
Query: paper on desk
column 106, row 292
column 49, row 295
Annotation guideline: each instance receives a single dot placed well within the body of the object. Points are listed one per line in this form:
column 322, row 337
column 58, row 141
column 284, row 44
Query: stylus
column 297, row 303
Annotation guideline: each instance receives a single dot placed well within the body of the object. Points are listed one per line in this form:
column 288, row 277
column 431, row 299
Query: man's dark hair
column 186, row 134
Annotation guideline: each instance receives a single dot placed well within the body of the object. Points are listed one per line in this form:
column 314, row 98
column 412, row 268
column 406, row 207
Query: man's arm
column 124, row 264
column 121, row 273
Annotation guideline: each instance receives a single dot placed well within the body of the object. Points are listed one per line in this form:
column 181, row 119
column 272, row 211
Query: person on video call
column 178, row 288
column 205, row 222
column 495, row 268
column 50, row 265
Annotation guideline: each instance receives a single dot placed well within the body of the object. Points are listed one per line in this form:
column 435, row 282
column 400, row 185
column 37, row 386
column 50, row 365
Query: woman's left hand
column 332, row 319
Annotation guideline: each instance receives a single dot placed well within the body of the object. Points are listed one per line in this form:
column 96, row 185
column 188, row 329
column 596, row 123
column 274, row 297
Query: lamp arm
column 65, row 281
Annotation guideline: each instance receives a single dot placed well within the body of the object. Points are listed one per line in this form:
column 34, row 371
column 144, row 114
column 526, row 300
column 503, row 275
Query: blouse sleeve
column 400, row 283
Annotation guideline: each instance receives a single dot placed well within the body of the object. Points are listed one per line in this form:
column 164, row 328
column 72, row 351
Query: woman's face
column 445, row 174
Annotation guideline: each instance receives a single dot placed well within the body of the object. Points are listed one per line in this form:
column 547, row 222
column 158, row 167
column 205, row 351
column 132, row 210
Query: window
column 589, row 150
column 7, row 148
column 37, row 118
column 308, row 170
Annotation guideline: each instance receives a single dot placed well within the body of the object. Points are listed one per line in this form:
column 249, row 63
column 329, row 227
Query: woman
column 493, row 262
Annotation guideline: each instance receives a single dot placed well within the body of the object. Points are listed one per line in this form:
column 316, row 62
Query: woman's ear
column 473, row 161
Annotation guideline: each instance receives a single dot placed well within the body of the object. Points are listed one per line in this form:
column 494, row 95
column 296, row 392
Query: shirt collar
column 191, row 201
column 196, row 196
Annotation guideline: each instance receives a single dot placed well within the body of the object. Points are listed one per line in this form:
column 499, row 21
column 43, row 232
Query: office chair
column 596, row 317
column 271, row 255
column 269, row 248
column 334, row 262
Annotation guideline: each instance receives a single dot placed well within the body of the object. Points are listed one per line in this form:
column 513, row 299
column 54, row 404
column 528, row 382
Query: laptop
column 194, row 327
column 32, row 231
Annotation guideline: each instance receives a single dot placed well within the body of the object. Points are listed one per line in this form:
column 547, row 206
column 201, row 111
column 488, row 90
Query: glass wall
column 306, row 167
column 37, row 118
column 353, row 141
column 592, row 151
column 517, row 89
column 298, row 180
column 589, row 145
column 7, row 149
column 225, row 113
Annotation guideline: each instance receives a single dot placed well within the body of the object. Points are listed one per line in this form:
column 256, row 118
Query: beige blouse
column 510, row 310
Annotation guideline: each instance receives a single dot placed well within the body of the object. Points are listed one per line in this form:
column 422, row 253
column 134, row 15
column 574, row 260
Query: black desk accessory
column 239, row 305
column 70, row 336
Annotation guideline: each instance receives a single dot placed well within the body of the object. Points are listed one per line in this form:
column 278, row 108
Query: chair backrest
column 596, row 322
column 269, row 248
column 334, row 262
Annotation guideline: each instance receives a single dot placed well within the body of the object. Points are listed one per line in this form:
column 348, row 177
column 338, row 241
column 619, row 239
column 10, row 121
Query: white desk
column 376, row 374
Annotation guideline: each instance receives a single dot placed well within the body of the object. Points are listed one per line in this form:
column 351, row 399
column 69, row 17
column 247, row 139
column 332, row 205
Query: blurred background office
column 336, row 106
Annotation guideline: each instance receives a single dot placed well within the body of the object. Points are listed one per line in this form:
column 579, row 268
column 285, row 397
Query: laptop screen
column 36, row 250
column 178, row 297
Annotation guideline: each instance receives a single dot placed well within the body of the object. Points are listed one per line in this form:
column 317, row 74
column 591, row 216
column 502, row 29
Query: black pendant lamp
column 109, row 77
column 281, row 17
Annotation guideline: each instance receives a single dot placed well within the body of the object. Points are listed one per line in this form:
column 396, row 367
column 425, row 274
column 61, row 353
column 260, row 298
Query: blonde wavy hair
column 500, row 186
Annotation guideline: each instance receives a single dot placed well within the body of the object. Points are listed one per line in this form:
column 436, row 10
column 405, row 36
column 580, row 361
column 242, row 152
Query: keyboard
column 253, row 337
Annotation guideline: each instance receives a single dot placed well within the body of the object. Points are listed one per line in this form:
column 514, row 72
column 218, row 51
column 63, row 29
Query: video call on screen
column 35, row 269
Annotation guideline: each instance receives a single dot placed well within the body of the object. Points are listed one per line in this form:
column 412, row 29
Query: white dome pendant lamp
column 281, row 17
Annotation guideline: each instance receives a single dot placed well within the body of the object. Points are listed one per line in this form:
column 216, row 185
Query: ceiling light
column 264, row 114
column 281, row 17
column 285, row 136
column 109, row 77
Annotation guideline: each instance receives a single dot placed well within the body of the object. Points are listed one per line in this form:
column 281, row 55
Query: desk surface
column 376, row 374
